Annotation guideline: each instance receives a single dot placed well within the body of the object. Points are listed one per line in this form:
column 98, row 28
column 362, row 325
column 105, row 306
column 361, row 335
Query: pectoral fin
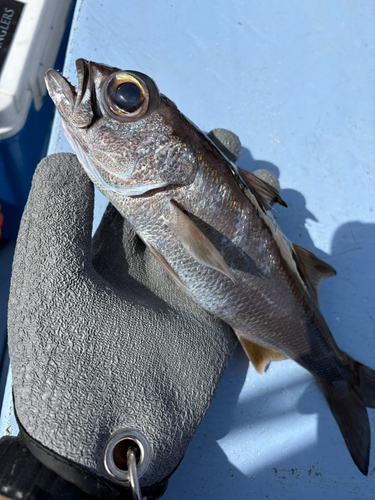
column 259, row 356
column 166, row 266
column 264, row 194
column 312, row 269
column 195, row 242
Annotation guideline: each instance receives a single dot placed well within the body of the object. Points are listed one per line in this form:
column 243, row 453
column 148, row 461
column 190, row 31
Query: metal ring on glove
column 116, row 454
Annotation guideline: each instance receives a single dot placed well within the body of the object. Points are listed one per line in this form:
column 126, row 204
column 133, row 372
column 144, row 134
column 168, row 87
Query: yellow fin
column 260, row 356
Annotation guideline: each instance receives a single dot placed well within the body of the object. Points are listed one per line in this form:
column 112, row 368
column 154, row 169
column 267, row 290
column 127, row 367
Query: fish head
column 128, row 136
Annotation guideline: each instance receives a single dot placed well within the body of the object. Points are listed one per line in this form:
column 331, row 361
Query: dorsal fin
column 264, row 193
column 195, row 242
column 312, row 269
column 259, row 356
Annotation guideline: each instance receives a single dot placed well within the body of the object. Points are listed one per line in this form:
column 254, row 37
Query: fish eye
column 129, row 95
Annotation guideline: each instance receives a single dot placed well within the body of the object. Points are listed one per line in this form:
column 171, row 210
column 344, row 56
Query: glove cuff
column 82, row 477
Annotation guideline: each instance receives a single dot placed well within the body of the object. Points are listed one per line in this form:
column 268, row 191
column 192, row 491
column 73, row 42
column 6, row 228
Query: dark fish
column 206, row 222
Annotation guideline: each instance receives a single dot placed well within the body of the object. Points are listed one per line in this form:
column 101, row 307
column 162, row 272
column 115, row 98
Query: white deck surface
column 295, row 81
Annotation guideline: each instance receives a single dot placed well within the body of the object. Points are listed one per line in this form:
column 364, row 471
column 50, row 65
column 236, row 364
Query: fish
column 208, row 223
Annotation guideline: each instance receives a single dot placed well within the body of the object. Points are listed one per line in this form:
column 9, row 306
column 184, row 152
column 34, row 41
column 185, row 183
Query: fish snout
column 61, row 91
column 74, row 104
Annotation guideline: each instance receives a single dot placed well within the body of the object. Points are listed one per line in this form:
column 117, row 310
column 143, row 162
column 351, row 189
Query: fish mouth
column 67, row 97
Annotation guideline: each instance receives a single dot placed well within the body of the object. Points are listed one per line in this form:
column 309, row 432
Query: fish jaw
column 62, row 93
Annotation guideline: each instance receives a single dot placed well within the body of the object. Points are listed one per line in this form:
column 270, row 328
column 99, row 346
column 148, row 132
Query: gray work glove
column 103, row 344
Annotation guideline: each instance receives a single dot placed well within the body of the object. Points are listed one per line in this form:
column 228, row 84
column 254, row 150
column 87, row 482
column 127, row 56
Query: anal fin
column 259, row 356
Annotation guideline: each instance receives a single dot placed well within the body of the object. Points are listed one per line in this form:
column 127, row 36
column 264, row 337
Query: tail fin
column 348, row 399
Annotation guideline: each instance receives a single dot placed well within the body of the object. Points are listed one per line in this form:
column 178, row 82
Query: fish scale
column 247, row 312
column 207, row 223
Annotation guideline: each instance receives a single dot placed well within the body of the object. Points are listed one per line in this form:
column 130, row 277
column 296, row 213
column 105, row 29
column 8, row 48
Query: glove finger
column 55, row 231
column 57, row 221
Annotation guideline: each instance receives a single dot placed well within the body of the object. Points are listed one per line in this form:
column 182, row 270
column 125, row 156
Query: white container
column 30, row 37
